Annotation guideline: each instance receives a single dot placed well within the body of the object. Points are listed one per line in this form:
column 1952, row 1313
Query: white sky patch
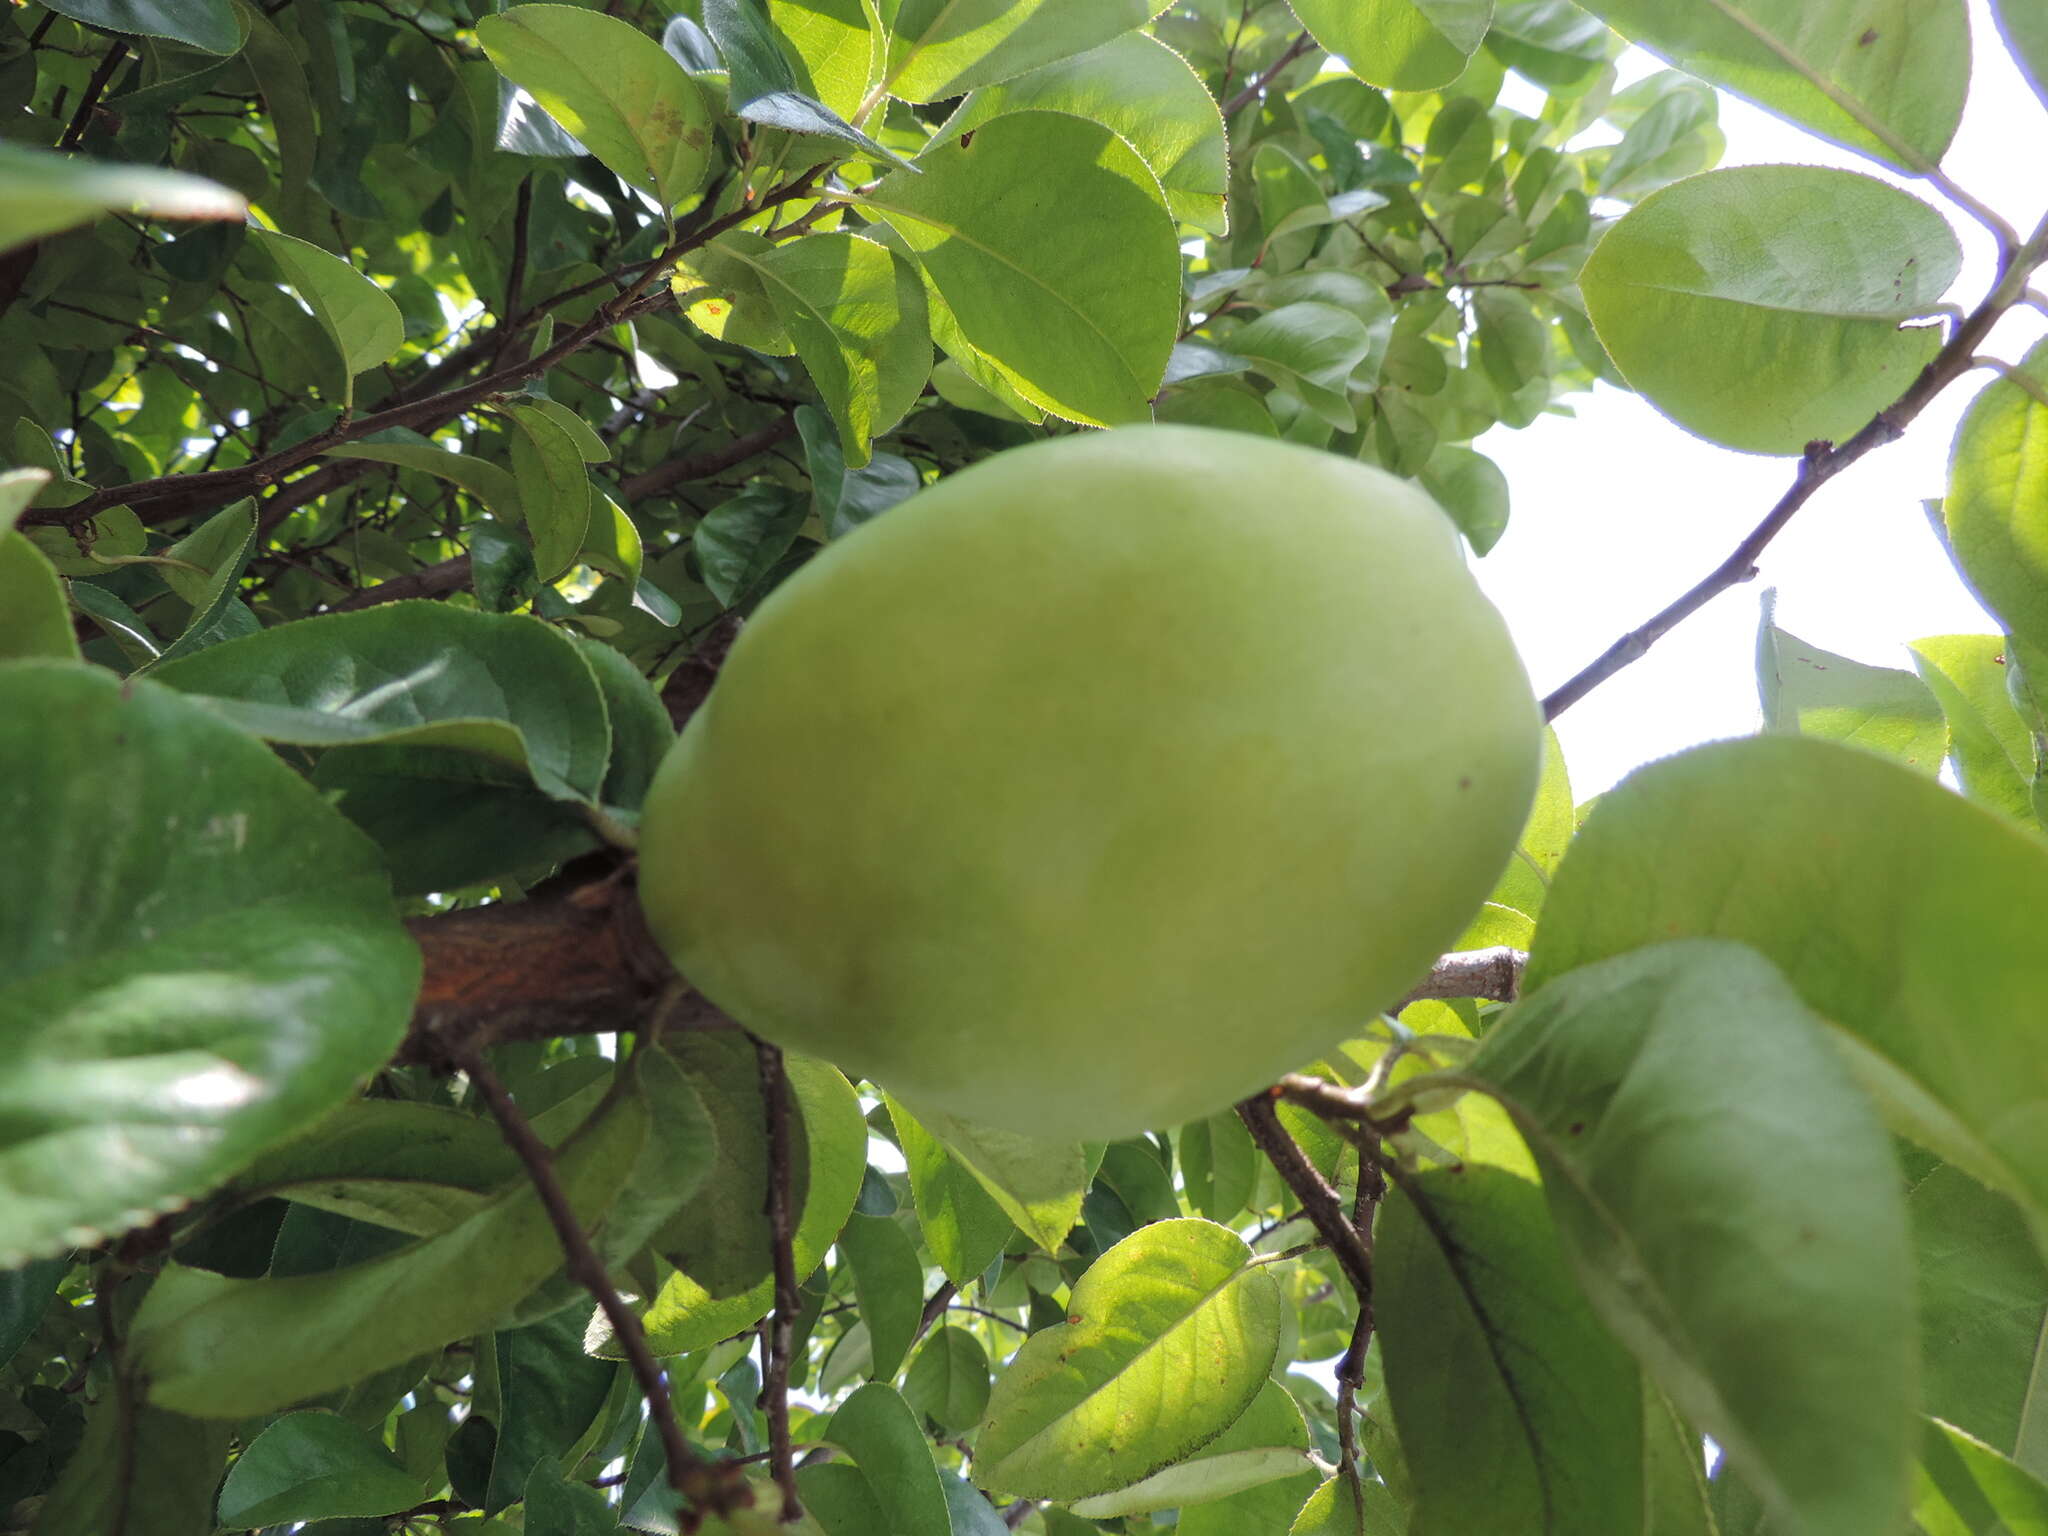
column 1617, row 512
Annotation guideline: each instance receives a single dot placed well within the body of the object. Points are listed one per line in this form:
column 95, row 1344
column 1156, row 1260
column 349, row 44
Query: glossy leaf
column 1983, row 1315
column 208, row 25
column 1169, row 1338
column 1886, row 79
column 1268, row 1442
column 487, row 482
column 960, row 1221
column 837, row 44
column 1471, row 489
column 1145, row 92
column 1996, row 515
column 222, row 1348
column 2025, row 29
column 764, row 87
column 1093, row 343
column 42, row 193
column 554, row 492
column 1519, row 1412
column 948, row 1379
column 187, row 1005
column 314, row 1466
column 1038, row 1184
column 740, row 541
column 889, row 1283
column 1789, row 286
column 1807, row 691
column 1684, row 1078
column 876, row 1427
column 1405, row 45
column 1987, row 739
column 1346, row 1506
column 1895, row 909
column 502, row 687
column 358, row 316
column 941, row 48
column 1967, row 1487
column 686, row 1315
column 612, row 86
column 856, row 314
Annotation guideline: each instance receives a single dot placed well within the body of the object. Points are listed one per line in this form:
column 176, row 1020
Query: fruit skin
column 1098, row 785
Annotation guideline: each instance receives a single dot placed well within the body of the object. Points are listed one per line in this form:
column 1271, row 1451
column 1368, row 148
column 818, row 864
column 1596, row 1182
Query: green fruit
column 1100, row 784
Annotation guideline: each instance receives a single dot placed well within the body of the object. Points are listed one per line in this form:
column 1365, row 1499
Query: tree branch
column 213, row 487
column 1266, row 77
column 1823, row 461
column 1493, row 975
column 428, row 581
column 781, row 1328
column 1318, row 1201
column 702, row 466
column 704, row 1484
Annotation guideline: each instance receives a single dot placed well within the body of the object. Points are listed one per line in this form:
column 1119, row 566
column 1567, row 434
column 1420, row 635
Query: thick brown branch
column 428, row 581
column 705, row 1484
column 1318, row 1201
column 1823, row 461
column 781, row 1328
column 1494, row 975
column 702, row 466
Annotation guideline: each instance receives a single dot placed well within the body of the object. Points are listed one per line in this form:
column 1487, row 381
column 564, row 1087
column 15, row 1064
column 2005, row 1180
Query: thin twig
column 935, row 1307
column 1318, row 1201
column 1351, row 1368
column 1821, row 463
column 1265, row 77
column 788, row 1302
column 515, row 279
column 95, row 88
column 703, row 1483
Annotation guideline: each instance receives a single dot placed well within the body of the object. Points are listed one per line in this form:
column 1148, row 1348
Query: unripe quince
column 1100, row 784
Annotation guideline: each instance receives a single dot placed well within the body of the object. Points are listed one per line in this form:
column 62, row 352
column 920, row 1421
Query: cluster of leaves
column 592, row 323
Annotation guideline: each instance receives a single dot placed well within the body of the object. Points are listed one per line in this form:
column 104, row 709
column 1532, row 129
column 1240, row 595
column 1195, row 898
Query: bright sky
column 1617, row 512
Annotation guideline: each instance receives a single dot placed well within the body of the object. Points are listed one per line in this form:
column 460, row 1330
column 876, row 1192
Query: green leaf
column 2025, row 30
column 888, row 1445
column 171, row 1005
column 1762, row 307
column 1268, row 1508
column 1404, row 45
column 740, row 541
column 960, row 1221
column 721, row 286
column 686, row 1316
column 1901, row 913
column 1886, row 79
column 1471, row 489
column 208, row 25
column 1987, row 739
column 554, row 491
column 18, row 491
column 1311, row 347
column 1218, row 1166
column 641, row 729
column 221, row 546
column 1551, row 42
column 549, row 1394
column 137, row 1472
column 942, row 48
column 1150, row 97
column 1983, row 1315
column 1039, row 1184
column 948, row 1379
column 1685, row 1078
column 1995, row 510
column 1968, row 1489
column 1169, row 1338
column 357, row 315
column 314, row 1466
column 1269, row 1441
column 1079, row 315
column 484, row 480
column 505, row 688
column 1807, row 691
column 1519, row 1412
column 1351, row 1506
column 42, row 193
column 35, row 620
column 616, row 89
column 765, row 87
column 222, row 1348
column 557, row 1507
column 856, row 314
column 889, row 1282
column 837, row 45
column 843, row 499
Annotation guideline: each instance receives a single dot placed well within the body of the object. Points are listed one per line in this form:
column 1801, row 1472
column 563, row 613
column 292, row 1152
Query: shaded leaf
column 357, row 315
column 314, row 1466
column 1807, row 691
